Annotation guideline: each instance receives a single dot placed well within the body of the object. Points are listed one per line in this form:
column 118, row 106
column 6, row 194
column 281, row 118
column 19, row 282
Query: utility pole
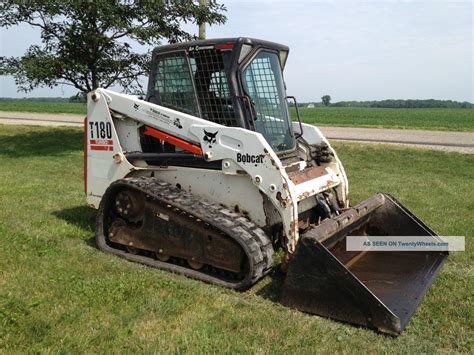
column 202, row 25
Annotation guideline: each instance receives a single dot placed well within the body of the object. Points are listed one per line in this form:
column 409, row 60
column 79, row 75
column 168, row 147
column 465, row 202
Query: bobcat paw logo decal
column 210, row 137
column 136, row 106
column 177, row 123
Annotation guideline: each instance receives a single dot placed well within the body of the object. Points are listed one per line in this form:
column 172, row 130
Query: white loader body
column 251, row 171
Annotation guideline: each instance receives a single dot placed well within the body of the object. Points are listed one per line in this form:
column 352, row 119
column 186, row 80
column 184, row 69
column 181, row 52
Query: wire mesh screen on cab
column 263, row 82
column 181, row 84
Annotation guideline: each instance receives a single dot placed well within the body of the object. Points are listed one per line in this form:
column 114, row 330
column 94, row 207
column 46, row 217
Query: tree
column 326, row 99
column 86, row 44
column 201, row 24
column 80, row 97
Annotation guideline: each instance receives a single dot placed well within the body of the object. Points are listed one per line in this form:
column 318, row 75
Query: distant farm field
column 59, row 294
column 416, row 118
column 431, row 119
column 43, row 107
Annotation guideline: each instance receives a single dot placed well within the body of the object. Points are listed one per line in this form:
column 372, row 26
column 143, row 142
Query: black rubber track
column 253, row 240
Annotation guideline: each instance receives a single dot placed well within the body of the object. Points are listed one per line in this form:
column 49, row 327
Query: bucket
column 379, row 290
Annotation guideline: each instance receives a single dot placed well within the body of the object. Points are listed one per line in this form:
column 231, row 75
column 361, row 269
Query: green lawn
column 58, row 293
column 416, row 118
column 43, row 107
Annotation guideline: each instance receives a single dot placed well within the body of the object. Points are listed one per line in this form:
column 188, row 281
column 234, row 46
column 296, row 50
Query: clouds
column 365, row 50
column 352, row 49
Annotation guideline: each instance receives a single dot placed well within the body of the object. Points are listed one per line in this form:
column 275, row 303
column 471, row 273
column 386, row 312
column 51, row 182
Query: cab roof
column 216, row 41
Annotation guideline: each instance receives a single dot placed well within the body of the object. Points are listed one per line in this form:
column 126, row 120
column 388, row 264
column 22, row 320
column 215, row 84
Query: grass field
column 46, row 107
column 433, row 119
column 58, row 293
column 426, row 118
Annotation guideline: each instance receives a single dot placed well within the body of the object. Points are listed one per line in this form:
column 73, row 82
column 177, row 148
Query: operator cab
column 235, row 82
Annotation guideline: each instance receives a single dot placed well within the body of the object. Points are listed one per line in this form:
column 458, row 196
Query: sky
column 351, row 50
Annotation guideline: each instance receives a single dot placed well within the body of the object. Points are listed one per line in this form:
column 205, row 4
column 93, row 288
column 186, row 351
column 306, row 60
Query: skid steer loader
column 208, row 176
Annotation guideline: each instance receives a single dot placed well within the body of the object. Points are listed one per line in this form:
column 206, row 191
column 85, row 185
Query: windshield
column 263, row 82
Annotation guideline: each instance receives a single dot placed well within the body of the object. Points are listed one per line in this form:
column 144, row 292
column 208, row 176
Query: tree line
column 37, row 99
column 395, row 103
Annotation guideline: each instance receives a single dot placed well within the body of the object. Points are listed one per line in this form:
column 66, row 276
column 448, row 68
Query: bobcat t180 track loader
column 208, row 176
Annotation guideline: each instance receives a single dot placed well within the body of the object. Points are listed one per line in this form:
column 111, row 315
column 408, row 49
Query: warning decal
column 101, row 144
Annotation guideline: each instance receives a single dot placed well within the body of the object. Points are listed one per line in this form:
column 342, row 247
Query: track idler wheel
column 130, row 205
column 162, row 257
column 196, row 265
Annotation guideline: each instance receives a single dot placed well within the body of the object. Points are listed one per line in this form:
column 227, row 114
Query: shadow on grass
column 272, row 291
column 51, row 142
column 82, row 217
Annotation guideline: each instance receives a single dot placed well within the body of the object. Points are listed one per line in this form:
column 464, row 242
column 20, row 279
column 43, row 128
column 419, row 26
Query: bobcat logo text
column 250, row 158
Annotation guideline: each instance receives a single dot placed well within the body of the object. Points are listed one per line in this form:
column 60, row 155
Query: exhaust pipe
column 379, row 290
